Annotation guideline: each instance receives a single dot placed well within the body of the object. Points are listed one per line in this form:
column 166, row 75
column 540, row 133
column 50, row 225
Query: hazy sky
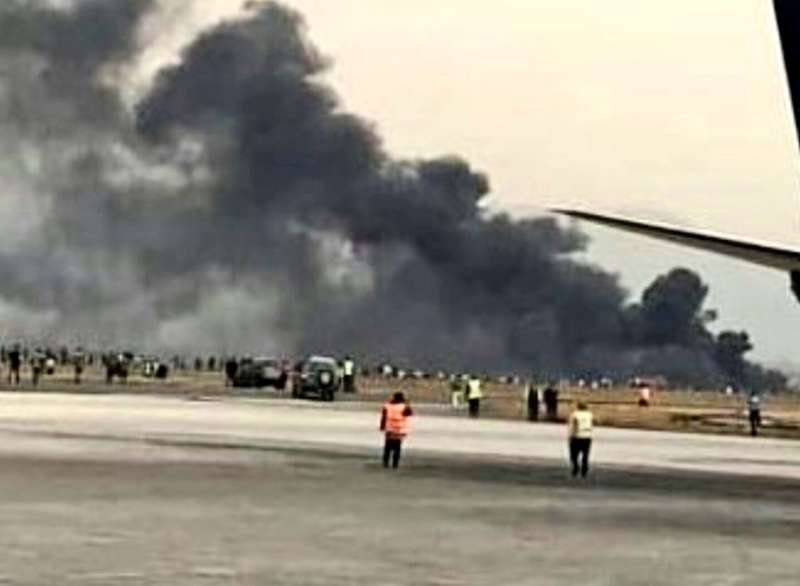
column 673, row 110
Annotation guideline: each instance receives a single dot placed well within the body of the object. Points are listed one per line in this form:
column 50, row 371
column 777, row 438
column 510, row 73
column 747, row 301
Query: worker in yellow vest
column 474, row 395
column 349, row 375
column 394, row 424
column 580, row 439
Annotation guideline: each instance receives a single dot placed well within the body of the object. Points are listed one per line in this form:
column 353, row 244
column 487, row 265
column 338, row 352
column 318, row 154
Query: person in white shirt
column 754, row 410
column 580, row 439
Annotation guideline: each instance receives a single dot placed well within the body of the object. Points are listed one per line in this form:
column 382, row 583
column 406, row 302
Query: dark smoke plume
column 241, row 207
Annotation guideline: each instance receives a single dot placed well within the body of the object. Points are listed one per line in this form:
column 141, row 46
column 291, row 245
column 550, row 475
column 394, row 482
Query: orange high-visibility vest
column 396, row 420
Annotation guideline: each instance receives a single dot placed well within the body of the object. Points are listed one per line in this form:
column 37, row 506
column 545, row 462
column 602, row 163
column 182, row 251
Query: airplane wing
column 767, row 255
column 787, row 14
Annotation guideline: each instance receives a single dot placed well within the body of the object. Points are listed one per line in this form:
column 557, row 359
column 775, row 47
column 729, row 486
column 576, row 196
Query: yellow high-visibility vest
column 474, row 389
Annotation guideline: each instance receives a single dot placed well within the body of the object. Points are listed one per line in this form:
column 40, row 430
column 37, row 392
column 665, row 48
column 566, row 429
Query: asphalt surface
column 148, row 490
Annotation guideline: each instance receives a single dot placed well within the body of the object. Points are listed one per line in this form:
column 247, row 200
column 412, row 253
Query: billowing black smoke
column 239, row 206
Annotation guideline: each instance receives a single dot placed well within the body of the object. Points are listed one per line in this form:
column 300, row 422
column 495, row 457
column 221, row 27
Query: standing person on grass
column 14, row 364
column 534, row 400
column 474, row 396
column 754, row 412
column 394, row 424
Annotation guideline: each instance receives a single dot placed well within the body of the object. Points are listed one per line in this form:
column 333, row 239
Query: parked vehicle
column 261, row 372
column 316, row 376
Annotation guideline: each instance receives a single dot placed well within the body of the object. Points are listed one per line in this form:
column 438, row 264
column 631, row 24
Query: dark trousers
column 474, row 407
column 579, row 448
column 391, row 451
column 755, row 421
column 349, row 383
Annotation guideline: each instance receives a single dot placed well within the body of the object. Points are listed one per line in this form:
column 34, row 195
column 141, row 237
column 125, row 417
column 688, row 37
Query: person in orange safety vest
column 394, row 423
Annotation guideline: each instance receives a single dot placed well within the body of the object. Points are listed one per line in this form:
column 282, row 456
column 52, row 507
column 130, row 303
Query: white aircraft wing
column 768, row 255
column 787, row 14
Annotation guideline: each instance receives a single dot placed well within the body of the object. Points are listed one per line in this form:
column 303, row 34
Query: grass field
column 672, row 410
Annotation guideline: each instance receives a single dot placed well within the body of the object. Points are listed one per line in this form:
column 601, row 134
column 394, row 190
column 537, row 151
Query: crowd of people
column 39, row 362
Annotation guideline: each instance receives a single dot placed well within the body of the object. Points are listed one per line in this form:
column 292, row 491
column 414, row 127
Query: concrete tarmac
column 149, row 490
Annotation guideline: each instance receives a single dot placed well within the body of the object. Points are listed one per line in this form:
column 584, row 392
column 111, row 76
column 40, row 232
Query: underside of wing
column 787, row 13
column 776, row 257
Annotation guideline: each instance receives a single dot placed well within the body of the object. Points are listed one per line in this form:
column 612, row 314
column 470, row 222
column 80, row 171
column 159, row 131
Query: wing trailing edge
column 787, row 16
column 766, row 255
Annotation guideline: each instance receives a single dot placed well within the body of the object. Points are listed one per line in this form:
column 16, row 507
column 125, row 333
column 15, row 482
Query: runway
column 151, row 490
column 352, row 427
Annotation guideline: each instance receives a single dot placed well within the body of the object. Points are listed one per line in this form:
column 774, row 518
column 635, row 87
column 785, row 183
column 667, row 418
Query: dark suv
column 261, row 372
column 318, row 376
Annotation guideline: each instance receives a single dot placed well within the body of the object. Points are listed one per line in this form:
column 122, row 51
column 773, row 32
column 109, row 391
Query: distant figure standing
column 474, row 396
column 231, row 368
column 50, row 365
column 533, row 401
column 78, row 360
column 349, row 375
column 14, row 365
column 457, row 395
column 37, row 366
column 754, row 409
column 123, row 364
column 110, row 363
column 580, row 439
column 645, row 396
column 394, row 424
column 551, row 402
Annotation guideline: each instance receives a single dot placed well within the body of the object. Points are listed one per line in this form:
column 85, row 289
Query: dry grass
column 674, row 410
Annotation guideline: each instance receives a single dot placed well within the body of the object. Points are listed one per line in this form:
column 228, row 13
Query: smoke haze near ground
column 238, row 206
